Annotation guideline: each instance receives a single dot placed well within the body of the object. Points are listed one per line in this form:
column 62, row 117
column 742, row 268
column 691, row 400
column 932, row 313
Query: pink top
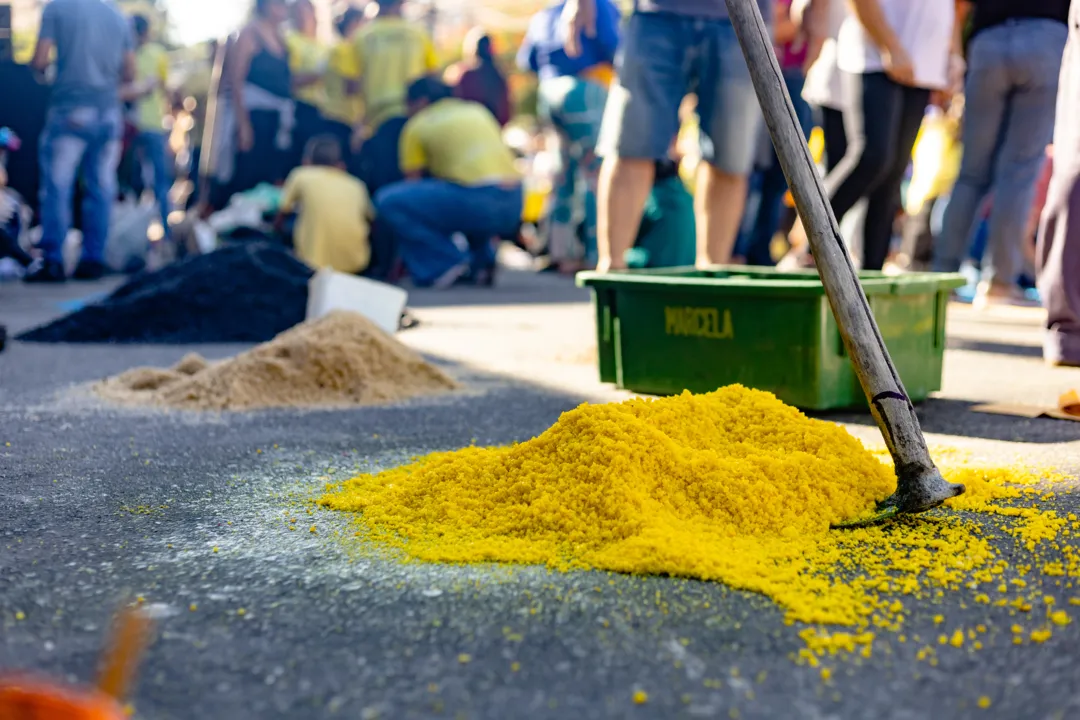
column 791, row 55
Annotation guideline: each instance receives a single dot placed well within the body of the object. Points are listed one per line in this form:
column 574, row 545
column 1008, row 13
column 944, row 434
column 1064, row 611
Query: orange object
column 24, row 697
column 130, row 635
column 27, row 698
column 602, row 74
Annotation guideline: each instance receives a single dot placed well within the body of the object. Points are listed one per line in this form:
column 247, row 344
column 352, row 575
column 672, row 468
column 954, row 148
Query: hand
column 606, row 264
column 957, row 69
column 898, row 66
column 941, row 99
column 579, row 16
column 245, row 135
column 814, row 45
column 359, row 137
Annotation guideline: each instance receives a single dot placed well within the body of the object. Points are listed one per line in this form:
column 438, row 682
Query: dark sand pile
column 340, row 360
column 240, row 293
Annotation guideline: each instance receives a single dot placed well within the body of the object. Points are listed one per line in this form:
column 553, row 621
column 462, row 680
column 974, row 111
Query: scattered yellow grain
column 1060, row 617
column 640, row 697
column 984, row 702
column 1040, row 636
column 464, row 658
column 732, row 486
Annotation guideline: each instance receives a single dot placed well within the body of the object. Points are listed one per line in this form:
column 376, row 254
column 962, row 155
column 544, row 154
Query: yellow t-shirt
column 152, row 63
column 332, row 223
column 307, row 56
column 391, row 52
column 459, row 141
column 343, row 69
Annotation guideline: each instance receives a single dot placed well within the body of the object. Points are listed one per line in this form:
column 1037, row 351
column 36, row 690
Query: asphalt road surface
column 101, row 505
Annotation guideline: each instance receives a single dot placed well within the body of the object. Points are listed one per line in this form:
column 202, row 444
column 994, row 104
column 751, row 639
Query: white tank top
column 924, row 28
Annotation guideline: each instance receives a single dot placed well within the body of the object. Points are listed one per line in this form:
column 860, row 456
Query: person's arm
column 290, row 196
column 578, row 18
column 412, row 157
column 300, row 78
column 894, row 57
column 785, row 29
column 135, row 91
column 239, row 64
column 957, row 64
column 46, row 42
column 815, row 24
column 526, row 55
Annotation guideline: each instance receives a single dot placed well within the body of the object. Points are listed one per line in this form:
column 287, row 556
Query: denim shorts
column 665, row 57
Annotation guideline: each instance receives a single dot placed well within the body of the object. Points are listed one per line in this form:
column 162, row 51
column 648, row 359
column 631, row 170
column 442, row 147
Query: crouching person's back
column 462, row 190
column 333, row 210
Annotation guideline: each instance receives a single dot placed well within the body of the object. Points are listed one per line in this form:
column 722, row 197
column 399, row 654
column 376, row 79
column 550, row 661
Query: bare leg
column 624, row 186
column 718, row 205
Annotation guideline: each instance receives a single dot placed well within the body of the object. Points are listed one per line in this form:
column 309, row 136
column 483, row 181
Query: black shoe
column 89, row 270
column 10, row 248
column 50, row 271
column 483, row 277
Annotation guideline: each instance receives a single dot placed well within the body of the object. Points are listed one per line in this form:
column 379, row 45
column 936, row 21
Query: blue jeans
column 1010, row 94
column 665, row 57
column 154, row 147
column 86, row 138
column 424, row 215
column 758, row 228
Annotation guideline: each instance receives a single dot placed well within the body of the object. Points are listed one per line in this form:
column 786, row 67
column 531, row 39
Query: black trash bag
column 244, row 293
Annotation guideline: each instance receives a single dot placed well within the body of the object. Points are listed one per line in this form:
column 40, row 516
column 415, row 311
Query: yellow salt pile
column 340, row 360
column 732, row 486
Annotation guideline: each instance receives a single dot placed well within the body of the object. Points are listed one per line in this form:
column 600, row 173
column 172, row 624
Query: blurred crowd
column 947, row 134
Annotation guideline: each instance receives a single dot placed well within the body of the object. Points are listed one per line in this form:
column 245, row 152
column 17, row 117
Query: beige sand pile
column 339, row 360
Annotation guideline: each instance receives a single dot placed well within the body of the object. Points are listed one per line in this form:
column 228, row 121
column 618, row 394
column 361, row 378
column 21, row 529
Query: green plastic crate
column 662, row 331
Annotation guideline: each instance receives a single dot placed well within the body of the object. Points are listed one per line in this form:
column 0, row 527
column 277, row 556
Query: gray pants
column 1009, row 96
column 1059, row 234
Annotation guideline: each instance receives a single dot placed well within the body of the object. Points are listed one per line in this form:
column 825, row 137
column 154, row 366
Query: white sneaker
column 451, row 276
column 990, row 294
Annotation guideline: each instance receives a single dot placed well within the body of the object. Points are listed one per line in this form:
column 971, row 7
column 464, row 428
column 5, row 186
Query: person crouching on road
column 461, row 189
column 333, row 209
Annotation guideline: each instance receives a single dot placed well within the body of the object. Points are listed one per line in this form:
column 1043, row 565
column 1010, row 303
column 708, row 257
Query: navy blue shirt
column 542, row 49
column 989, row 13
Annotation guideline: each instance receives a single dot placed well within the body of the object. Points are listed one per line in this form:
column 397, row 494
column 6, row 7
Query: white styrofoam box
column 379, row 302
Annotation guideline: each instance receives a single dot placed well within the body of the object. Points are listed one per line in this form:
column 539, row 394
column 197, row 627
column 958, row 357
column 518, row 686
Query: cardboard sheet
column 1068, row 408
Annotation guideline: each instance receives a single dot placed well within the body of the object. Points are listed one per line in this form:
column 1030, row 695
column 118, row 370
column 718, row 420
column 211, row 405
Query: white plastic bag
column 128, row 242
